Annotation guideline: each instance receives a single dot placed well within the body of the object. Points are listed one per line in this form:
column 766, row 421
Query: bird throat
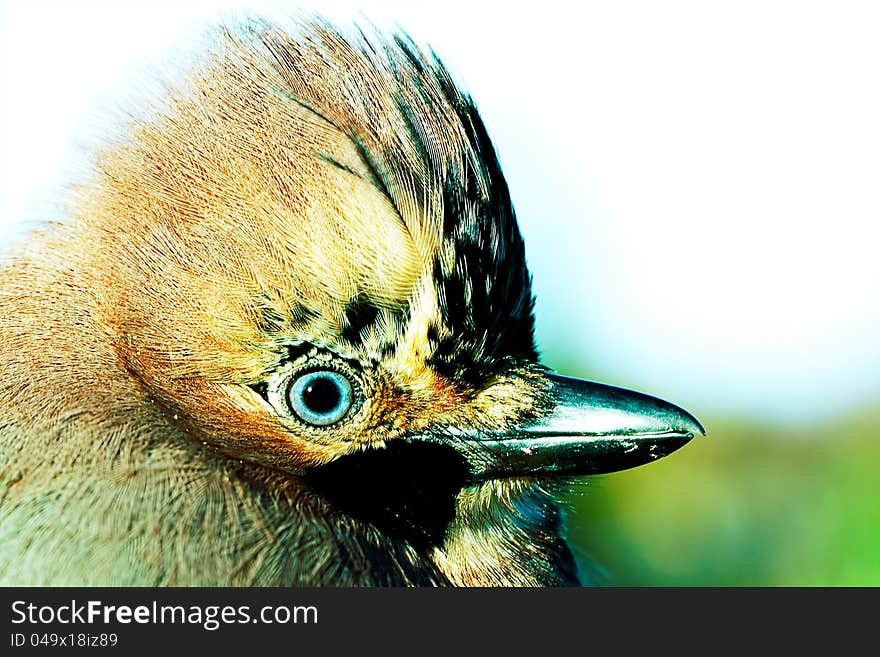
column 406, row 490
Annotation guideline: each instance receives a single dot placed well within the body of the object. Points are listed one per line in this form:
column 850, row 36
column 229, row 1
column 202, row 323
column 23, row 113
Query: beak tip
column 693, row 426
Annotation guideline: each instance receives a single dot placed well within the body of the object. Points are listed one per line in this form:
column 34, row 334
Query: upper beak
column 592, row 428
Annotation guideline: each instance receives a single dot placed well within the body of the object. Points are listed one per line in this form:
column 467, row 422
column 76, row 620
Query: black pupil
column 321, row 395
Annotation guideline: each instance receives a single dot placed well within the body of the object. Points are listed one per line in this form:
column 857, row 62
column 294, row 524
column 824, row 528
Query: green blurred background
column 751, row 504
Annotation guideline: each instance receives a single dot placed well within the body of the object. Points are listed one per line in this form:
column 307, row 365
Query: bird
column 283, row 335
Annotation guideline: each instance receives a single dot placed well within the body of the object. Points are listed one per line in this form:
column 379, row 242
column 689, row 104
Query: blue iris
column 321, row 397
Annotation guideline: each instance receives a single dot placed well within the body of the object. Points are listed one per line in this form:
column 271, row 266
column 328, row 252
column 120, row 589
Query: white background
column 698, row 183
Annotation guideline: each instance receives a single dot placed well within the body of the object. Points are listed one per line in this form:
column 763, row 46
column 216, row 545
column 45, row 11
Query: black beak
column 591, row 429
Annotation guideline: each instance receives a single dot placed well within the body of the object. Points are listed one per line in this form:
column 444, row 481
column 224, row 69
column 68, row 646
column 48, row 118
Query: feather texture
column 296, row 194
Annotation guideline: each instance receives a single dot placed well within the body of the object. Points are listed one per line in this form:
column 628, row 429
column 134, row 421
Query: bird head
column 306, row 251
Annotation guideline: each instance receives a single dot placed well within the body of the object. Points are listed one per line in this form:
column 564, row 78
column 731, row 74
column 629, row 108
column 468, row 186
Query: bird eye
column 320, row 397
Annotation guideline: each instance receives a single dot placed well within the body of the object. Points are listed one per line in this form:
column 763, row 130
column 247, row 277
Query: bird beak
column 591, row 429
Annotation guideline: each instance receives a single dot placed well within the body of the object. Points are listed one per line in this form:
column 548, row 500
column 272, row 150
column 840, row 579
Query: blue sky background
column 697, row 183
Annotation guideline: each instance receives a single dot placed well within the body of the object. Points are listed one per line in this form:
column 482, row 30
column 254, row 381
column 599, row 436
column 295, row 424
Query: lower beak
column 591, row 429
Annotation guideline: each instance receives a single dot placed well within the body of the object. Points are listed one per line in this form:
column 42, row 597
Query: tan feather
column 280, row 179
